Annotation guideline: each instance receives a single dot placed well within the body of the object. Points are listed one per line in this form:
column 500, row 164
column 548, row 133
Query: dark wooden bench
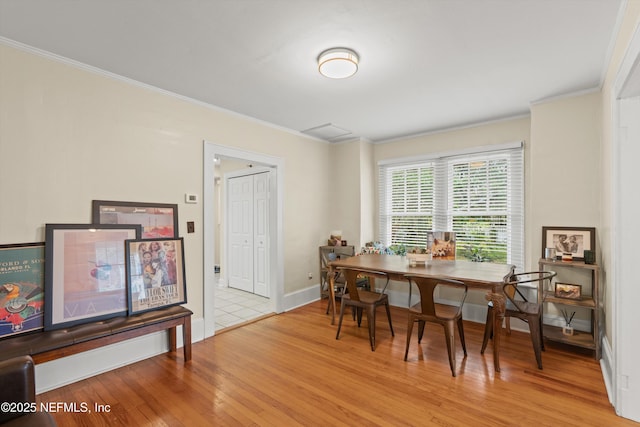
column 44, row 346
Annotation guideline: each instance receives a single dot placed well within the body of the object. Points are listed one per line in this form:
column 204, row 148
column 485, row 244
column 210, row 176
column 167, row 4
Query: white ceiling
column 425, row 65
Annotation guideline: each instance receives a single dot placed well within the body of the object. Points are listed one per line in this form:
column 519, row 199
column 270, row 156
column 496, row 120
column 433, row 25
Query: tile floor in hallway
column 233, row 306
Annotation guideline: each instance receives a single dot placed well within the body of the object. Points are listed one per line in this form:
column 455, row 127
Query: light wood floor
column 289, row 369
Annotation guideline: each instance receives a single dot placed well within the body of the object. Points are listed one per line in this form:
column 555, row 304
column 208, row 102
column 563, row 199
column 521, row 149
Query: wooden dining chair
column 445, row 314
column 519, row 306
column 339, row 282
column 364, row 300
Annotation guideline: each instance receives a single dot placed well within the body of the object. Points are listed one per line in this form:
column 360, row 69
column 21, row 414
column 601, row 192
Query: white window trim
column 516, row 235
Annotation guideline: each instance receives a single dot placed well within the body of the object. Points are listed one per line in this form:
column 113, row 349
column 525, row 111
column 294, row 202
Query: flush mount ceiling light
column 338, row 63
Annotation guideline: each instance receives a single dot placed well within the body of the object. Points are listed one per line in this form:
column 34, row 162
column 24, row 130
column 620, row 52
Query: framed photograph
column 21, row 288
column 568, row 291
column 158, row 220
column 573, row 240
column 441, row 245
column 85, row 270
column 156, row 275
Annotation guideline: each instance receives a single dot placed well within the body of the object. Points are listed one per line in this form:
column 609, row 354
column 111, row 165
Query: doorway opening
column 216, row 159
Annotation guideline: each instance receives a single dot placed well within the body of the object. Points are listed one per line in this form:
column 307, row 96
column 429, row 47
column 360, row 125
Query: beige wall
column 564, row 178
column 564, row 167
column 368, row 188
column 68, row 136
column 343, row 208
column 352, row 204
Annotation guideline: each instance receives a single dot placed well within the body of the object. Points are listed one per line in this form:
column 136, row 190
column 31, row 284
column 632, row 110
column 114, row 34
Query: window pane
column 481, row 238
column 410, row 230
column 478, row 196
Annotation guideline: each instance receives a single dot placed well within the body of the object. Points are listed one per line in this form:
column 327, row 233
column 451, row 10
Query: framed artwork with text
column 85, row 276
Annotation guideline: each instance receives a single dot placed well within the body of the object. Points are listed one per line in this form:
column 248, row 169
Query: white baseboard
column 606, row 364
column 302, row 297
column 70, row 369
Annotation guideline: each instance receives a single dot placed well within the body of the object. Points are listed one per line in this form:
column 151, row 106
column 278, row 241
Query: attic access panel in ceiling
column 329, row 132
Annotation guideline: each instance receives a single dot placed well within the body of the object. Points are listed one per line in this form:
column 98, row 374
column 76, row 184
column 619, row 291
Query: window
column 477, row 195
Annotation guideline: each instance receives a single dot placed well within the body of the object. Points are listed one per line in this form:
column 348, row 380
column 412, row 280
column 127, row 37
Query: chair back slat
column 427, row 287
column 351, row 278
column 535, row 279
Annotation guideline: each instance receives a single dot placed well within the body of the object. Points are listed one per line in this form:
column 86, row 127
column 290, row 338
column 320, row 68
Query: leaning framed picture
column 568, row 291
column 21, row 288
column 441, row 245
column 85, row 270
column 569, row 240
column 158, row 220
column 156, row 274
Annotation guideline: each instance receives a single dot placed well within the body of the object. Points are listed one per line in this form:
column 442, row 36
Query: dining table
column 476, row 275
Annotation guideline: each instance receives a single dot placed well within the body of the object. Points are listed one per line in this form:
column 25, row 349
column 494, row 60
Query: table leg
column 186, row 338
column 332, row 293
column 172, row 339
column 499, row 305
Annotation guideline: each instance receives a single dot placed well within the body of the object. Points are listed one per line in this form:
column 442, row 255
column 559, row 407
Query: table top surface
column 474, row 274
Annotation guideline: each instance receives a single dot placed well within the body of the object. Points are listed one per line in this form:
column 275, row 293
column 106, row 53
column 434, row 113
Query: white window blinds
column 478, row 195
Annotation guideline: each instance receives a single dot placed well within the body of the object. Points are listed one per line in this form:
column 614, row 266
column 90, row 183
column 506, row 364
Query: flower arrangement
column 379, row 248
column 375, row 248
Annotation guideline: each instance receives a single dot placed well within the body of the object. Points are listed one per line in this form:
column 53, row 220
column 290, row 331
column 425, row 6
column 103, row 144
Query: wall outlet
column 191, row 198
column 310, row 275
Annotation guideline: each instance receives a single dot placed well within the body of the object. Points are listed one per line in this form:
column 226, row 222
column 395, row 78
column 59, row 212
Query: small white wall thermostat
column 191, row 198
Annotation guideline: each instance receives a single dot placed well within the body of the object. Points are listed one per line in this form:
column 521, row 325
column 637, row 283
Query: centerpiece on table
column 419, row 256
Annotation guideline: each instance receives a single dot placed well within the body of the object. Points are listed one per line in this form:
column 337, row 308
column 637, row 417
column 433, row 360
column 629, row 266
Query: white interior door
column 248, row 200
column 261, row 234
column 240, row 232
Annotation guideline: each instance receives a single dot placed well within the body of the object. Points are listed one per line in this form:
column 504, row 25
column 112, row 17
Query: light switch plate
column 191, row 198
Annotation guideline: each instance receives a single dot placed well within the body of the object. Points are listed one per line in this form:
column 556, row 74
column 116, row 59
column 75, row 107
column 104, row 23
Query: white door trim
column 276, row 250
column 624, row 384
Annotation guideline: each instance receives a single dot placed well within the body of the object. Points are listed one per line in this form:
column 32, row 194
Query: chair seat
column 368, row 297
column 443, row 311
column 526, row 307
